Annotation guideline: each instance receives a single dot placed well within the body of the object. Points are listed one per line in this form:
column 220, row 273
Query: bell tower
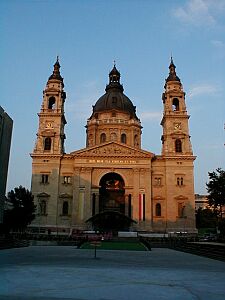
column 50, row 136
column 175, row 138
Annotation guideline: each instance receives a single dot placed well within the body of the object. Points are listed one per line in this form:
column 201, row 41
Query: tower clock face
column 177, row 126
column 49, row 125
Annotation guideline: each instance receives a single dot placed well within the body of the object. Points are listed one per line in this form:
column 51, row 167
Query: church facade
column 113, row 174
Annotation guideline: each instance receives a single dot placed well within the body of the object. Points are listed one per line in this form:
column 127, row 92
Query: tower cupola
column 172, row 74
column 114, row 80
column 56, row 71
column 114, row 75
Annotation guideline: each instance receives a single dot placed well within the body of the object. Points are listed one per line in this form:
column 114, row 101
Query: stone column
column 126, row 205
column 75, row 204
column 135, row 200
column 96, row 203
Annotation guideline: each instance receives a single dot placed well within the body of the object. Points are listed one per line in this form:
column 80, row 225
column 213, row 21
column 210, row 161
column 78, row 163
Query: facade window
column 158, row 211
column 178, row 145
column 42, row 207
column 48, row 143
column 181, row 208
column 51, row 103
column 103, row 138
column 180, row 181
column 65, row 208
column 123, row 138
column 67, row 179
column 158, row 181
column 44, row 178
column 175, row 104
column 113, row 114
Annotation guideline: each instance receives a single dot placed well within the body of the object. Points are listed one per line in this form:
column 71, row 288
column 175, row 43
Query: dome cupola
column 114, row 75
column 114, row 98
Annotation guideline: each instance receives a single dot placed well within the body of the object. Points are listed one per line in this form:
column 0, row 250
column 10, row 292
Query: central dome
column 114, row 98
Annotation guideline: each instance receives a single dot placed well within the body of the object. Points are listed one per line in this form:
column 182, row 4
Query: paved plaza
column 52, row 273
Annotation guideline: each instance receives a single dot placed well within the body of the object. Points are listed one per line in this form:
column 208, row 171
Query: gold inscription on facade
column 111, row 161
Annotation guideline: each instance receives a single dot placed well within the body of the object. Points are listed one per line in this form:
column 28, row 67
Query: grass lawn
column 114, row 245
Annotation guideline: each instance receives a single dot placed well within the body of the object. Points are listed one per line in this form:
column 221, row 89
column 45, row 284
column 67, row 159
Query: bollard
column 95, row 244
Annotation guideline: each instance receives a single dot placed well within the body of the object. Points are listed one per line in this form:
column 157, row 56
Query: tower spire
column 56, row 71
column 171, row 59
column 172, row 73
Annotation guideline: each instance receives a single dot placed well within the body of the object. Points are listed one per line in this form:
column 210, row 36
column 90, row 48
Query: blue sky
column 88, row 36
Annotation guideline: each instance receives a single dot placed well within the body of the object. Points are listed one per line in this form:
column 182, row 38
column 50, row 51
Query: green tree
column 23, row 209
column 216, row 190
column 221, row 227
column 206, row 218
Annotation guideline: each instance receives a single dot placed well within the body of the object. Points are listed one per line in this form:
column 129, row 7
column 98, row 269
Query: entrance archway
column 112, row 193
column 111, row 216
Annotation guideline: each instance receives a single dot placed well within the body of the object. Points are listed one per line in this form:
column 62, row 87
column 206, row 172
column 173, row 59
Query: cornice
column 175, row 116
column 153, row 158
column 180, row 157
column 46, row 156
column 53, row 114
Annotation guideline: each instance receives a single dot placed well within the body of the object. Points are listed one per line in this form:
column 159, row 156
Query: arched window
column 51, row 103
column 65, row 208
column 123, row 138
column 180, row 181
column 42, row 207
column 178, row 145
column 175, row 104
column 103, row 138
column 158, row 210
column 44, row 178
column 48, row 143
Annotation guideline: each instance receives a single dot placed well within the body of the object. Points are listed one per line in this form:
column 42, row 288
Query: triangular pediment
column 65, row 195
column 181, row 197
column 43, row 195
column 112, row 149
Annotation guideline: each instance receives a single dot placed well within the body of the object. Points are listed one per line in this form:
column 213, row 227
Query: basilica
column 112, row 183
